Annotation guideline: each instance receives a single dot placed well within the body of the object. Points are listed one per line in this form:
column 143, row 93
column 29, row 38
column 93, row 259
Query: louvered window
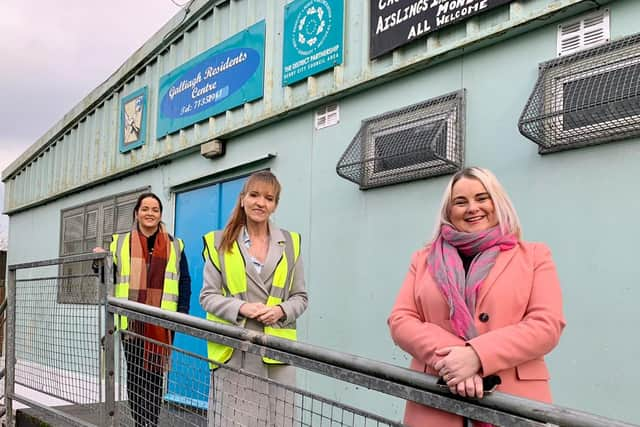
column 589, row 31
column 414, row 142
column 83, row 228
column 329, row 115
column 586, row 98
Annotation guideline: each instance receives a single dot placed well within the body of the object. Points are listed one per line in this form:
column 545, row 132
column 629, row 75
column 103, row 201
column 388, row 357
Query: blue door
column 197, row 212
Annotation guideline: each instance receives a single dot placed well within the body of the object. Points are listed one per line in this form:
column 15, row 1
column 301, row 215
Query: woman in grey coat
column 253, row 277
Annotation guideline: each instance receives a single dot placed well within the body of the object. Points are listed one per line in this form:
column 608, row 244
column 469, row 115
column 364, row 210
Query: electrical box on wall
column 212, row 149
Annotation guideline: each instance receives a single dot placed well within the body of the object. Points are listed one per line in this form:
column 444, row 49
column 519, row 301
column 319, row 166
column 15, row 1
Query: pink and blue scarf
column 460, row 289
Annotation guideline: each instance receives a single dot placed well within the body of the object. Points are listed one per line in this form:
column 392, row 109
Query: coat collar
column 503, row 259
column 276, row 247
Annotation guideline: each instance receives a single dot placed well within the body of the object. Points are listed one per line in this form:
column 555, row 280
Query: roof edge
column 147, row 52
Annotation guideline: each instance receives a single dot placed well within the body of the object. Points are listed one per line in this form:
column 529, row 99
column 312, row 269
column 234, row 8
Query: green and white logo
column 312, row 40
column 312, row 25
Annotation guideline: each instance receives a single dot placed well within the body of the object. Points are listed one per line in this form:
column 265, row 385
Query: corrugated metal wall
column 357, row 245
column 82, row 149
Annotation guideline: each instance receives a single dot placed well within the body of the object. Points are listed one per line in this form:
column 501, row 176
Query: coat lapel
column 276, row 247
column 502, row 261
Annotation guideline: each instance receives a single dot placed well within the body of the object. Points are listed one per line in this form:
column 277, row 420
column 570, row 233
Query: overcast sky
column 53, row 53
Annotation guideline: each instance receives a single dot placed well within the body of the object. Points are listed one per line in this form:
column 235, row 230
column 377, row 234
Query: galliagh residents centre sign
column 228, row 75
column 397, row 22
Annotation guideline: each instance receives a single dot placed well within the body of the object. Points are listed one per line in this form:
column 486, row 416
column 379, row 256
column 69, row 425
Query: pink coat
column 521, row 305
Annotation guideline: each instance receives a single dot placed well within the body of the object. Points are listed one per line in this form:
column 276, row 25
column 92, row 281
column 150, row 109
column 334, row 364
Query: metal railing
column 3, row 318
column 113, row 383
column 53, row 357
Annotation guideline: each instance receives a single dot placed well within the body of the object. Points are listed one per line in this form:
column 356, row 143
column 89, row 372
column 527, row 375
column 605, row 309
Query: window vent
column 82, row 229
column 590, row 31
column 414, row 142
column 587, row 98
column 328, row 115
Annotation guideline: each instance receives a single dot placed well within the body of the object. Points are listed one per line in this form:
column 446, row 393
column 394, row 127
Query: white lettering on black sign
column 398, row 22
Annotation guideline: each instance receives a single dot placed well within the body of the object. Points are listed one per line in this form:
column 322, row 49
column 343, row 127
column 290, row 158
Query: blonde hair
column 505, row 212
column 238, row 217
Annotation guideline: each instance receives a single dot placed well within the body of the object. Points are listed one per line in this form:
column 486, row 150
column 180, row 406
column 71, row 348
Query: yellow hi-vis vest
column 120, row 249
column 233, row 270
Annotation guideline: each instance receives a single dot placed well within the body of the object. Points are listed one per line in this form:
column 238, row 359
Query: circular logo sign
column 312, row 25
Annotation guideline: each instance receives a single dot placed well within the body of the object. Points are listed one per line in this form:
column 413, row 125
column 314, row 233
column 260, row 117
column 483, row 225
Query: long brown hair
column 238, row 218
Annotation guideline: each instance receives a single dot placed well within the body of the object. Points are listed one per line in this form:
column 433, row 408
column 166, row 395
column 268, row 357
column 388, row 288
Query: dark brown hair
column 238, row 217
column 141, row 198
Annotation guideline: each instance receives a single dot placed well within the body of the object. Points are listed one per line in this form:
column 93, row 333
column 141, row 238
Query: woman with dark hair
column 254, row 278
column 150, row 268
column 479, row 306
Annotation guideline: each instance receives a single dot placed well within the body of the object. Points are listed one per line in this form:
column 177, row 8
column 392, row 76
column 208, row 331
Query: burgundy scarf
column 460, row 289
column 146, row 285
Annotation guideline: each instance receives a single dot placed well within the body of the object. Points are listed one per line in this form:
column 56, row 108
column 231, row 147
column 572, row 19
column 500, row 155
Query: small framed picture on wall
column 133, row 120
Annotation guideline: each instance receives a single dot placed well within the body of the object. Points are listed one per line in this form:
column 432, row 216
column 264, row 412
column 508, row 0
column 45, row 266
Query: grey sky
column 54, row 53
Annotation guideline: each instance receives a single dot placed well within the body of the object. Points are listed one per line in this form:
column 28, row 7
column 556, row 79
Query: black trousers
column 144, row 386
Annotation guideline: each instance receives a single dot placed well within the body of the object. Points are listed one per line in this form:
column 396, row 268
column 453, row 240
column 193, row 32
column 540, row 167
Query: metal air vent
column 329, row 115
column 414, row 142
column 587, row 98
column 589, row 31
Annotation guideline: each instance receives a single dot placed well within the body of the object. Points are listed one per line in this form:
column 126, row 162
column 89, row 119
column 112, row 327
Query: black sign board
column 397, row 22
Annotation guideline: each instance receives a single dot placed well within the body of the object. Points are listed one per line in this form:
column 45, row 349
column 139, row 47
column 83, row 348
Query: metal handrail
column 496, row 408
column 9, row 307
column 408, row 384
column 3, row 308
column 57, row 261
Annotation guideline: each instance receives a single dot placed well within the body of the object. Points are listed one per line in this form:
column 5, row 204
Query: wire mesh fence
column 147, row 371
column 59, row 350
column 57, row 346
column 100, row 376
column 414, row 142
column 587, row 98
column 227, row 397
column 55, row 351
column 243, row 398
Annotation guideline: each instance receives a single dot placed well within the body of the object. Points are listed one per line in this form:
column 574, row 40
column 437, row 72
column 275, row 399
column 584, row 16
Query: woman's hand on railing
column 252, row 310
column 271, row 315
column 470, row 387
column 264, row 314
column 95, row 266
column 457, row 364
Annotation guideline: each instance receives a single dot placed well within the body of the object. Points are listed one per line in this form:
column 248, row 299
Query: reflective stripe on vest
column 120, row 249
column 231, row 266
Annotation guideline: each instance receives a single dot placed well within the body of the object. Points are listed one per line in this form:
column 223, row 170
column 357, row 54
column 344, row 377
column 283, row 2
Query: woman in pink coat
column 478, row 301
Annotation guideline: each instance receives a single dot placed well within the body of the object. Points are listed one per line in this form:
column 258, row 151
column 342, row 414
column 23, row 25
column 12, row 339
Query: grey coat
column 258, row 286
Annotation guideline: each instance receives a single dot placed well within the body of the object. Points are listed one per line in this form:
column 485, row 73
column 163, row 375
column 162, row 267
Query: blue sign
column 227, row 75
column 312, row 39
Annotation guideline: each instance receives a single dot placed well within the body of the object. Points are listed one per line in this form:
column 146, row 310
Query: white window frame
column 584, row 27
column 327, row 116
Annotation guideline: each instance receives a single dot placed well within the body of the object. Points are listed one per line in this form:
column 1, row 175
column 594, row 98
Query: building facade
column 363, row 109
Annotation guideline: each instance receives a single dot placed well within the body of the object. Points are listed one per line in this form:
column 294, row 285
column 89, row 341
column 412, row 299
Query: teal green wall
column 357, row 244
column 577, row 201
